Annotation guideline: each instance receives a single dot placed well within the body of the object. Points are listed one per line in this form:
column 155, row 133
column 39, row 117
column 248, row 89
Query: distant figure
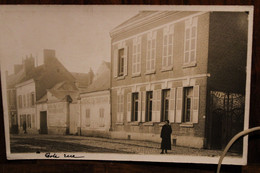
column 24, row 127
column 166, row 137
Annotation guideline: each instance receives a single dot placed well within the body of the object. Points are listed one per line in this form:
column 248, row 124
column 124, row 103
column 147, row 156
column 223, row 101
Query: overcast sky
column 78, row 34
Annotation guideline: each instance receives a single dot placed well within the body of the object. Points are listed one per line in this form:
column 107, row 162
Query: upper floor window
column 136, row 61
column 167, row 58
column 32, row 99
column 20, row 102
column 120, row 60
column 190, row 40
column 151, row 51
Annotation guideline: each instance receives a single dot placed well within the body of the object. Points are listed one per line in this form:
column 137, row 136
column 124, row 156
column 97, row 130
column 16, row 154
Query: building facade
column 160, row 70
column 95, row 105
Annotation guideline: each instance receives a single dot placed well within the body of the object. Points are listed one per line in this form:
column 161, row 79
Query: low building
column 95, row 115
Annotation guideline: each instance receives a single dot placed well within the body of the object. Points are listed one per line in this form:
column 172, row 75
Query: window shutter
column 118, row 109
column 195, row 117
column 158, row 105
column 115, row 62
column 122, row 108
column 179, row 104
column 125, row 60
column 143, row 106
column 129, row 107
column 139, row 118
column 172, row 105
column 138, row 68
column 154, row 112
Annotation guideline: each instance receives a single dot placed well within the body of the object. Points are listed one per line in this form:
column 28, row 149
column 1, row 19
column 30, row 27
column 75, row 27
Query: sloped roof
column 83, row 79
column 102, row 82
column 140, row 15
column 14, row 79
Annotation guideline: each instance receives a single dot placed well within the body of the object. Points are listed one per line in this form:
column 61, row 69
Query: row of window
column 27, row 100
column 101, row 119
column 175, row 104
column 121, row 53
column 27, row 120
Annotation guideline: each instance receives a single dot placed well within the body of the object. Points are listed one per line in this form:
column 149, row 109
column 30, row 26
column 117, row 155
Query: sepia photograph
column 126, row 83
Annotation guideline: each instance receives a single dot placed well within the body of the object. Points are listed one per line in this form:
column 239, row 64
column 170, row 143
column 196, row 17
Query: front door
column 43, row 122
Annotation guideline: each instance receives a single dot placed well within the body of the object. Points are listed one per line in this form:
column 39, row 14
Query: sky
column 78, row 34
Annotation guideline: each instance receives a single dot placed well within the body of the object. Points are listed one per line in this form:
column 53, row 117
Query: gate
column 227, row 119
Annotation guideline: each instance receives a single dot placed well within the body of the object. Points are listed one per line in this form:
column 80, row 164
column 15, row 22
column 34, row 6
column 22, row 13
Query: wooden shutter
column 154, row 112
column 172, row 105
column 195, row 116
column 157, row 106
column 115, row 62
column 138, row 56
column 179, row 104
column 129, row 107
column 125, row 60
column 143, row 106
column 139, row 118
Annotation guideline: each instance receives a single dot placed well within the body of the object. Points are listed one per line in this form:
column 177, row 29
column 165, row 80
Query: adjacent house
column 20, row 73
column 34, row 86
column 187, row 67
column 95, row 114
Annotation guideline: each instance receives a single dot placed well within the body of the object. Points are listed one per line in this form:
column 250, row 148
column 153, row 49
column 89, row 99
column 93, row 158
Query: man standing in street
column 166, row 137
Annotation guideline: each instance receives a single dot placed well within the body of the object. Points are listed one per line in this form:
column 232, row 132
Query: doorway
column 43, row 122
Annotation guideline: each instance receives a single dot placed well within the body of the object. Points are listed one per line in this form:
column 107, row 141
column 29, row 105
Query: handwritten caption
column 54, row 155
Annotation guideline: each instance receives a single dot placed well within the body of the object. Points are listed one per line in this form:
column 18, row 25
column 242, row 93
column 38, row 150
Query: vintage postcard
column 126, row 83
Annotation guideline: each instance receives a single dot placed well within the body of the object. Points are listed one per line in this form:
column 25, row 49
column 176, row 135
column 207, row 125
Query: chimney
column 29, row 64
column 48, row 55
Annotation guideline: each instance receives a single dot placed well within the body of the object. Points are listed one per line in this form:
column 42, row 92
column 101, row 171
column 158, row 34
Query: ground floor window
column 87, row 117
column 165, row 104
column 101, row 117
column 29, row 121
column 149, row 106
column 134, row 115
column 188, row 104
column 26, row 121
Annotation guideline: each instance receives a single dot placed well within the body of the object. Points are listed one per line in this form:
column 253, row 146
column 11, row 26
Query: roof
column 82, row 79
column 102, row 82
column 14, row 79
column 140, row 15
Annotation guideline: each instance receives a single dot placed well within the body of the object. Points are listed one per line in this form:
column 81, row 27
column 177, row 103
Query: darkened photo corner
column 150, row 82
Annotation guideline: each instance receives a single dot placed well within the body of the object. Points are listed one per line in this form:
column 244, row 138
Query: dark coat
column 166, row 137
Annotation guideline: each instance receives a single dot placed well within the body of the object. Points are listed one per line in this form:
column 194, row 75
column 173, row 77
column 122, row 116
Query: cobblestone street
column 58, row 143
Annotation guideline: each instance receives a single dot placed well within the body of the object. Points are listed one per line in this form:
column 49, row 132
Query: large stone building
column 178, row 66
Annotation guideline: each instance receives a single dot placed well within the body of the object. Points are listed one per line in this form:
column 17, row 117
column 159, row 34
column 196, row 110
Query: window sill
column 136, row 75
column 188, row 65
column 150, row 72
column 148, row 123
column 120, row 78
column 134, row 123
column 164, row 69
column 119, row 123
column 187, row 125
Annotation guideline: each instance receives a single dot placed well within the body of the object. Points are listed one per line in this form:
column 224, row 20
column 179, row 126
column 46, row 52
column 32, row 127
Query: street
column 58, row 143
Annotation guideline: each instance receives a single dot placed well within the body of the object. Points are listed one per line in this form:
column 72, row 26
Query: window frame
column 188, row 50
column 136, row 56
column 135, row 104
column 151, row 52
column 87, row 117
column 168, row 33
column 165, row 99
column 149, row 106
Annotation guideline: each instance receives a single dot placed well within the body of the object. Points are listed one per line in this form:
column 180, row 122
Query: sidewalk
column 94, row 144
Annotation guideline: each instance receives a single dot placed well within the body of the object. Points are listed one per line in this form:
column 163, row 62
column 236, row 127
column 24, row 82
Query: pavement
column 65, row 143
